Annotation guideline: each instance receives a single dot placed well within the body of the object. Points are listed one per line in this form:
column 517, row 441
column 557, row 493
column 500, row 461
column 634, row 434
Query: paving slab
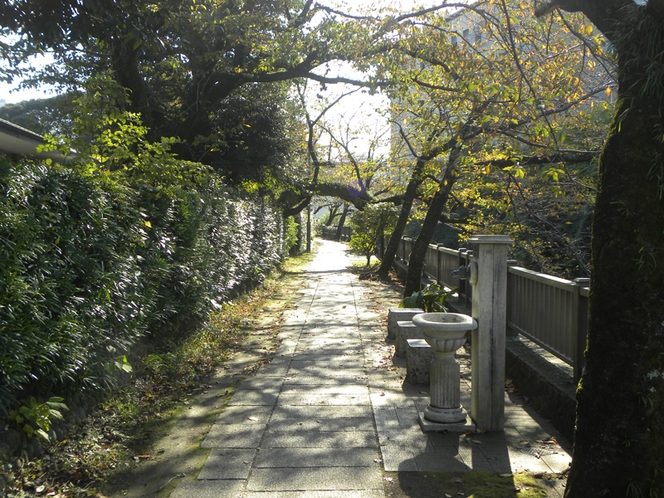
column 209, row 489
column 318, row 457
column 434, row 462
column 324, row 399
column 234, row 436
column 261, row 383
column 315, row 479
column 311, row 368
column 320, row 412
column 274, row 369
column 313, row 380
column 355, row 439
column 341, row 424
column 328, row 355
column 328, row 341
column 253, row 398
column 365, row 493
column 228, row 464
column 248, row 415
column 347, row 389
column 337, row 362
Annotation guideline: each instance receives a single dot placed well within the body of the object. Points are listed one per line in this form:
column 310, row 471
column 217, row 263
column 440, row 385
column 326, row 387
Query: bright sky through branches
column 10, row 94
column 363, row 113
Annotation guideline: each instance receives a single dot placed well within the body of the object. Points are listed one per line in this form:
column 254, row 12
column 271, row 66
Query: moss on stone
column 468, row 484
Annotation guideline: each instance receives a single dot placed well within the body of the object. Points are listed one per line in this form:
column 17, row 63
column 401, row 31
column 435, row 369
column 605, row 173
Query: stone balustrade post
column 489, row 307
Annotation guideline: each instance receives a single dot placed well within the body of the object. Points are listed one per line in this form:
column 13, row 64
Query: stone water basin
column 445, row 332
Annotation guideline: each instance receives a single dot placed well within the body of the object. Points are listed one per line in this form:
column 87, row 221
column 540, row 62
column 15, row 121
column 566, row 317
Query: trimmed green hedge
column 90, row 266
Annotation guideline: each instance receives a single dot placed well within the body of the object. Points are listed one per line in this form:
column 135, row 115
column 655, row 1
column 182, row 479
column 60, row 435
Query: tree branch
column 421, row 83
column 292, row 211
column 358, row 198
column 602, row 13
column 302, row 17
column 351, row 157
column 559, row 157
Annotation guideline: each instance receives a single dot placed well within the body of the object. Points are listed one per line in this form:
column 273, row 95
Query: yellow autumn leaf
column 148, row 224
column 608, row 91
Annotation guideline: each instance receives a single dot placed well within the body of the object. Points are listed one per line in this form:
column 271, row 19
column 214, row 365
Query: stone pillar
column 489, row 280
column 445, row 405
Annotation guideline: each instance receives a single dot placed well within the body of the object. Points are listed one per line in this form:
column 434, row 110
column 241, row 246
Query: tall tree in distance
column 619, row 437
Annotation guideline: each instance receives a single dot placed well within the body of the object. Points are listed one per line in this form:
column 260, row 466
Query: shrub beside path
column 330, row 416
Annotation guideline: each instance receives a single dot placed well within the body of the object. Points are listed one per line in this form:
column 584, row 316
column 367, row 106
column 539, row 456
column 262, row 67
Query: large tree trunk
column 393, row 245
column 342, row 222
column 395, row 237
column 416, row 262
column 619, row 437
column 333, row 214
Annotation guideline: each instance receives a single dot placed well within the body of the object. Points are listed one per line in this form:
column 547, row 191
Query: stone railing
column 548, row 310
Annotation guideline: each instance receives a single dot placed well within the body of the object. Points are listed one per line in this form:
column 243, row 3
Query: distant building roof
column 15, row 139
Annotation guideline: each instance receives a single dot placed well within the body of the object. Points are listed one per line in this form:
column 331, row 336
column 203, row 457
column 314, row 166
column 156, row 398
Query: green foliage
column 120, row 363
column 549, row 220
column 35, row 418
column 364, row 242
column 51, row 115
column 491, row 88
column 431, row 299
column 127, row 243
column 369, row 224
column 159, row 364
column 189, row 68
column 292, row 231
column 68, row 291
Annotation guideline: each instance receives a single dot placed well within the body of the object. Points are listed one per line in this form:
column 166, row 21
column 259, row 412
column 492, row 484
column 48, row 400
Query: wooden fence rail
column 551, row 311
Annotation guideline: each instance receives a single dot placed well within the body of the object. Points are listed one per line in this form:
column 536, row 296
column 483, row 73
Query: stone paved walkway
column 321, row 420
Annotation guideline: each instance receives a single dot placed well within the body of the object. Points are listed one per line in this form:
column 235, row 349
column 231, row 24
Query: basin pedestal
column 445, row 385
column 445, row 333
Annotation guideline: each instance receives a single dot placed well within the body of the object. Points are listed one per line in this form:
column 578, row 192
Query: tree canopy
column 205, row 72
column 486, row 89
